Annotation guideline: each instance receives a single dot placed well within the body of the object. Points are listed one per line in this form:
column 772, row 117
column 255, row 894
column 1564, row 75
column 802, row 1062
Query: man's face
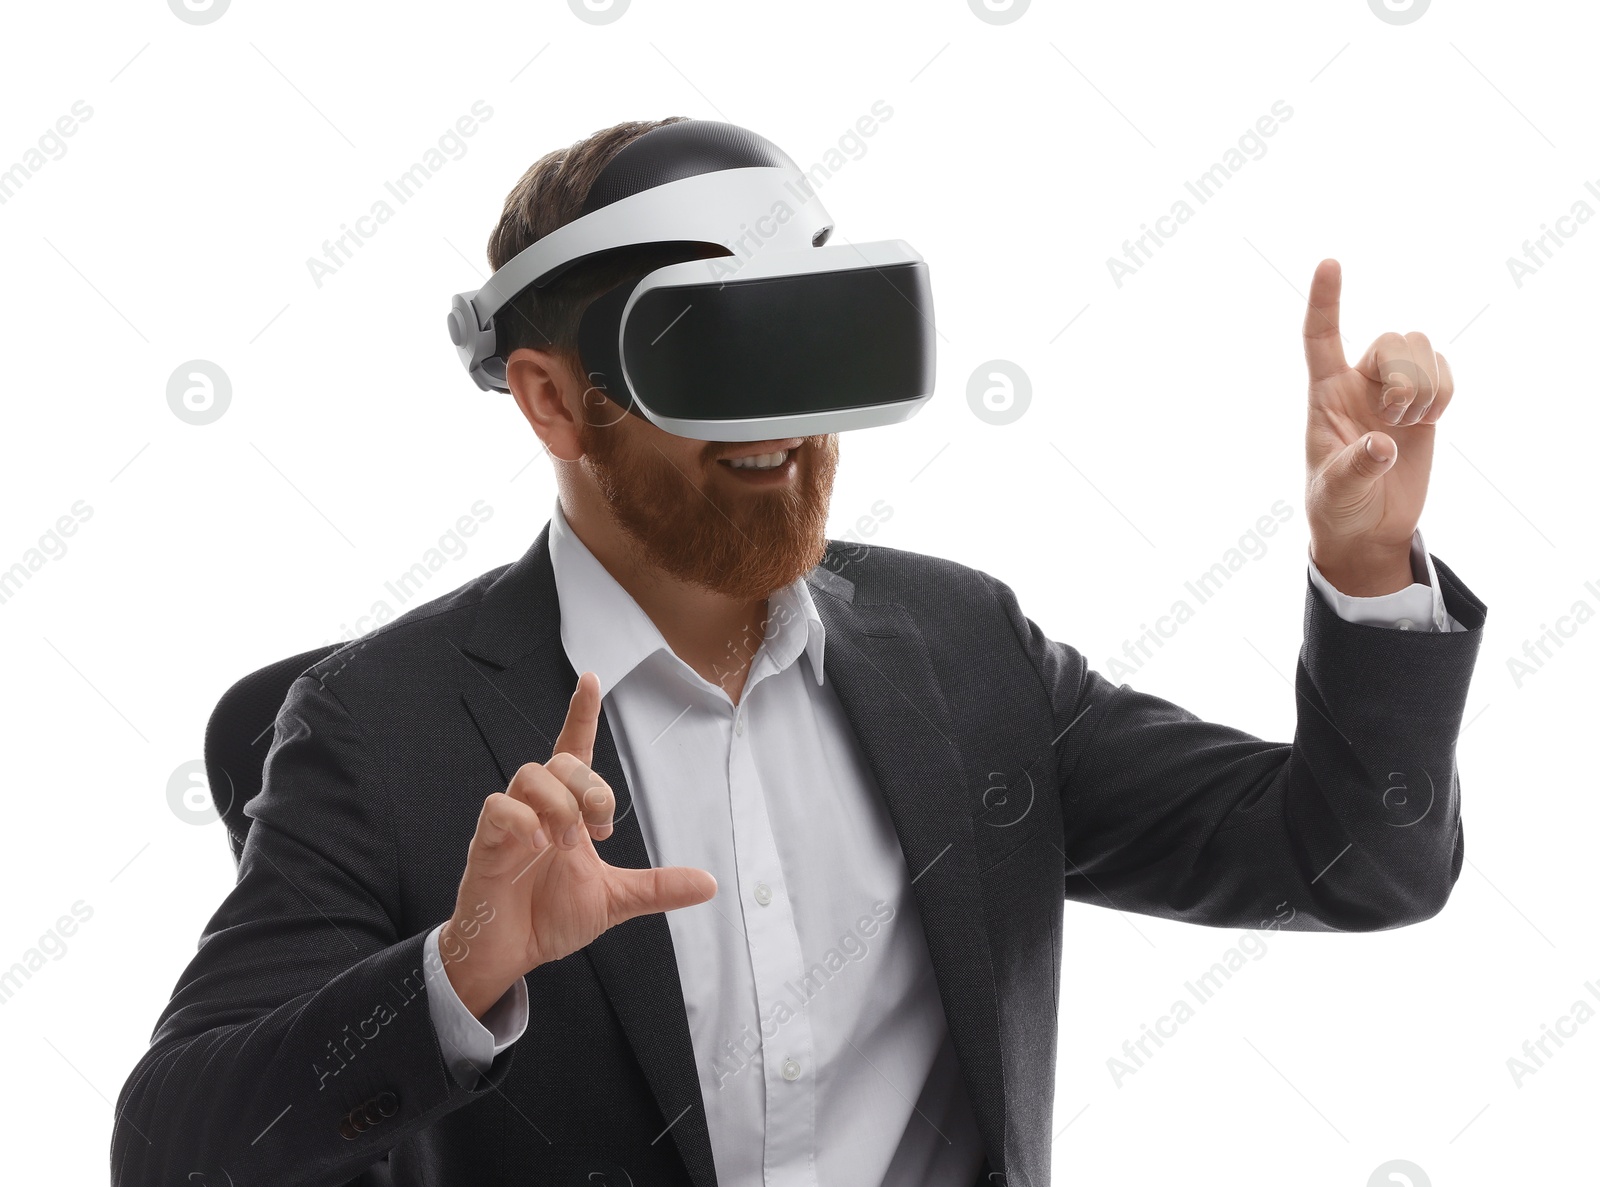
column 737, row 530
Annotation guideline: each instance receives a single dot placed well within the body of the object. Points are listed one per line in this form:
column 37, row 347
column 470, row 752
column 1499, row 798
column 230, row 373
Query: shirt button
column 763, row 895
column 791, row 1070
column 1405, row 624
column 738, row 725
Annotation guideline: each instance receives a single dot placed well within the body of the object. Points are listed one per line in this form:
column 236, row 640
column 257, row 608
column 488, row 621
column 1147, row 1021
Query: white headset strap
column 748, row 209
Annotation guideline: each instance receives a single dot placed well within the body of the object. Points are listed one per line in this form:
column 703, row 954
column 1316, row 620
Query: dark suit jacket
column 298, row 1046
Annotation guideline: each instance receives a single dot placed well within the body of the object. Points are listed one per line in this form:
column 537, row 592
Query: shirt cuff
column 469, row 1045
column 1420, row 606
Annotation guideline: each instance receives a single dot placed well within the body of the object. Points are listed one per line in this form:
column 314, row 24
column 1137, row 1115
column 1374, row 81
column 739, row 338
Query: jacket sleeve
column 1354, row 826
column 298, row 1046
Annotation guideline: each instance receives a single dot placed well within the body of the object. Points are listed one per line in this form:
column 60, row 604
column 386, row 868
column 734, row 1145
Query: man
column 773, row 892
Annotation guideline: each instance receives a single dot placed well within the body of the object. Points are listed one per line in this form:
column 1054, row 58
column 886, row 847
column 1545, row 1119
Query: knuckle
column 525, row 782
column 493, row 821
column 535, row 784
column 598, row 799
column 561, row 810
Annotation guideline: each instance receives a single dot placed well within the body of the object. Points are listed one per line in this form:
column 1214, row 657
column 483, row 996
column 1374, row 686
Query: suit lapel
column 876, row 663
column 519, row 702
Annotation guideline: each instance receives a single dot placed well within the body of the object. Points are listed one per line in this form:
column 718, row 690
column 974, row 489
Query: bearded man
column 695, row 847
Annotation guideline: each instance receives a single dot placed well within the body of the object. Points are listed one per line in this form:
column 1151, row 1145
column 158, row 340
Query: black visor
column 765, row 353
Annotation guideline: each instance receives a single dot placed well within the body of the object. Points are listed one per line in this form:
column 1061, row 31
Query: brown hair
column 549, row 195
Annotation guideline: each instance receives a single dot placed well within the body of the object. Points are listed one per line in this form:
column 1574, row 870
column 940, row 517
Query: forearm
column 267, row 1096
column 1354, row 826
column 1167, row 814
column 1373, row 775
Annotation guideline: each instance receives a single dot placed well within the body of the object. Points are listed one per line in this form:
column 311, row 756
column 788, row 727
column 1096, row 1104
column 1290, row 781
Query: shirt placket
column 788, row 1063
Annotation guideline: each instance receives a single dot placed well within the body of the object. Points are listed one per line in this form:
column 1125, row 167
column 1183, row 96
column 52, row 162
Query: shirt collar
column 604, row 631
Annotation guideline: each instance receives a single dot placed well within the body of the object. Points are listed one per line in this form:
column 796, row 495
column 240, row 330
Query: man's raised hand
column 1369, row 445
column 535, row 889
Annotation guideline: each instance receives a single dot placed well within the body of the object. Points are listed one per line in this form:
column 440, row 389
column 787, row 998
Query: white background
column 1163, row 423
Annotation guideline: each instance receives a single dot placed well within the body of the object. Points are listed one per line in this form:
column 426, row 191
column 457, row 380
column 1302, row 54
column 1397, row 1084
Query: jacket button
column 347, row 1131
column 388, row 1104
column 358, row 1122
column 370, row 1112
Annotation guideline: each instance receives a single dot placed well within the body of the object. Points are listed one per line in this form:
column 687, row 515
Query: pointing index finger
column 1324, row 352
column 583, row 719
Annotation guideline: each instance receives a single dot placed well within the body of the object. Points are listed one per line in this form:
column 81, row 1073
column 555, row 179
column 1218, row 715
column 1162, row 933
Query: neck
column 715, row 635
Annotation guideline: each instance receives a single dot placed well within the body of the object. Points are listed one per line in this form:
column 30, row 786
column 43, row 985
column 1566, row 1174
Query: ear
column 550, row 394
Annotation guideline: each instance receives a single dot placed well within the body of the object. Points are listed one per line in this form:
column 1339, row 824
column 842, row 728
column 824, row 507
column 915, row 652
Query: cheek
column 616, row 442
column 688, row 456
column 675, row 459
column 640, row 438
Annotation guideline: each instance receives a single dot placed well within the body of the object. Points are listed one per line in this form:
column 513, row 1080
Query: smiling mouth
column 765, row 460
column 760, row 461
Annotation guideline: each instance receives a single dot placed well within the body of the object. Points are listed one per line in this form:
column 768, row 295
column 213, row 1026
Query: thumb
column 1360, row 464
column 642, row 892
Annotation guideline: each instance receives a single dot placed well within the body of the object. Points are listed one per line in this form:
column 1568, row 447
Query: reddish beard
column 743, row 544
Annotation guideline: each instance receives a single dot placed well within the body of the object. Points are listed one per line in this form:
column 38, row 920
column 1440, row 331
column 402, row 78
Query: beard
column 699, row 527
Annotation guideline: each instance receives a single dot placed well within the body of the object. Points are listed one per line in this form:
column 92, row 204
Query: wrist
column 1364, row 570
column 477, row 989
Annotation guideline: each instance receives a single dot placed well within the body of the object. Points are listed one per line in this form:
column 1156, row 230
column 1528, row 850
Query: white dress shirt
column 818, row 1032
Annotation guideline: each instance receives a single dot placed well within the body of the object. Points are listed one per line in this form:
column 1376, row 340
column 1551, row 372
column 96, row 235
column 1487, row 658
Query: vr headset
column 784, row 336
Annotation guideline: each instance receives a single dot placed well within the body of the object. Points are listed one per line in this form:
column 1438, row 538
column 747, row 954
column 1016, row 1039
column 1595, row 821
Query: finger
column 1399, row 380
column 1425, row 366
column 1447, row 389
column 558, row 811
column 1357, row 466
column 583, row 719
column 1324, row 351
column 637, row 892
column 505, row 819
column 595, row 799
